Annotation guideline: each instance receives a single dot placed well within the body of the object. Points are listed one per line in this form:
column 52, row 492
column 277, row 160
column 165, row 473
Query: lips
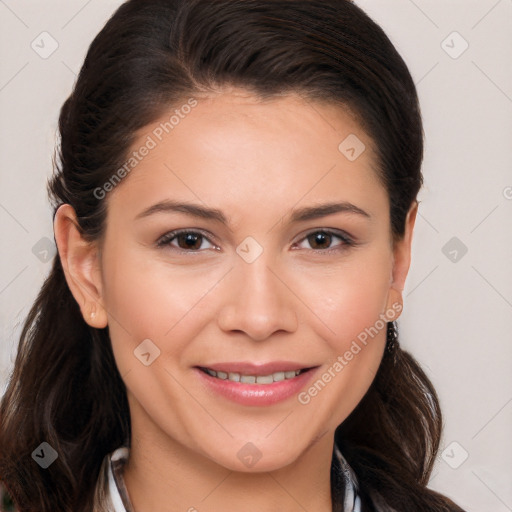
column 256, row 384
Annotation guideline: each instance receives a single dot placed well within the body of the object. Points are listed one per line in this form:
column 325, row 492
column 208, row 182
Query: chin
column 249, row 457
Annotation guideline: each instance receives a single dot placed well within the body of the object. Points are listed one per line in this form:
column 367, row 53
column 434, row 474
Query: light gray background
column 458, row 307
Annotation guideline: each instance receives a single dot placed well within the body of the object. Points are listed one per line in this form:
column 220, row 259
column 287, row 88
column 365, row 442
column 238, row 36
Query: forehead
column 236, row 150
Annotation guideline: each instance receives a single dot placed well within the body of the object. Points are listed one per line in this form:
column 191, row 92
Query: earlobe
column 80, row 261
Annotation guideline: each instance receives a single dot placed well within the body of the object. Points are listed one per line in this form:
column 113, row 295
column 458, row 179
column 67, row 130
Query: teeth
column 264, row 379
column 278, row 376
column 253, row 379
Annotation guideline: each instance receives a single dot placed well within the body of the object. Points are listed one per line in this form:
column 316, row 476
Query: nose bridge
column 258, row 302
column 259, row 284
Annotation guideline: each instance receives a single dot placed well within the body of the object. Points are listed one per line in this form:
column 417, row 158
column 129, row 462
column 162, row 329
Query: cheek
column 348, row 315
column 150, row 299
column 348, row 298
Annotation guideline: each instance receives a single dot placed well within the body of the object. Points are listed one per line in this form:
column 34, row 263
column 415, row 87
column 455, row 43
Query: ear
column 80, row 260
column 401, row 261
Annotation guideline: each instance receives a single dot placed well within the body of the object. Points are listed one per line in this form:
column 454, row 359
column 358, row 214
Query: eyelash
column 165, row 240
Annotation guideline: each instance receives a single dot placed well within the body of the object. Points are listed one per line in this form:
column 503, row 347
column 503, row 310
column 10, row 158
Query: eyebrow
column 316, row 212
column 195, row 210
column 298, row 215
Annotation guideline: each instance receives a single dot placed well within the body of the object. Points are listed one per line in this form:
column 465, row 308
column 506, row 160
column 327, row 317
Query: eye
column 186, row 241
column 322, row 240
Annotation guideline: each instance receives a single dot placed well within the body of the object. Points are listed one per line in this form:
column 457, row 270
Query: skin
column 257, row 162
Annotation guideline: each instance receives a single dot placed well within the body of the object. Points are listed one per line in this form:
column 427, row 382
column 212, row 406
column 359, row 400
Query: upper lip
column 256, row 369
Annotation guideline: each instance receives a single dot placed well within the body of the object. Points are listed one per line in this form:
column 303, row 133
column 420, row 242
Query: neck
column 164, row 475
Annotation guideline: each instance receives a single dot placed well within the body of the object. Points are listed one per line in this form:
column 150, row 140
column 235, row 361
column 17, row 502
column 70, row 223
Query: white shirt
column 115, row 490
column 120, row 501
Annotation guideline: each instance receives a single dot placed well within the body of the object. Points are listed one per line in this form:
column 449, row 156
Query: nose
column 258, row 302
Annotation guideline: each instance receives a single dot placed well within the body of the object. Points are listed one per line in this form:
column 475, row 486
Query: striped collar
column 120, row 501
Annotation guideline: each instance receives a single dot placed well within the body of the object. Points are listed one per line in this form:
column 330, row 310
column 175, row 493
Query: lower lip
column 256, row 394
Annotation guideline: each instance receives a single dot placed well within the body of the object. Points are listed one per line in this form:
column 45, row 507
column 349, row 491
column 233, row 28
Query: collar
column 121, row 502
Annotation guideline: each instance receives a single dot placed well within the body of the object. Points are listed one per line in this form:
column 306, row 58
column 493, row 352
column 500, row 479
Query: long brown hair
column 65, row 388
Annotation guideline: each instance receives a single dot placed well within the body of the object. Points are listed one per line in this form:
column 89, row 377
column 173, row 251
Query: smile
column 255, row 385
column 254, row 379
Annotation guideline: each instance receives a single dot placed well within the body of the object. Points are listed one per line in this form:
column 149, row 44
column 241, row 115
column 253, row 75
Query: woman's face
column 284, row 261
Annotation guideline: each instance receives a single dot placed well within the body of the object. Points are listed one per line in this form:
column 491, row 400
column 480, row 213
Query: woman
column 235, row 198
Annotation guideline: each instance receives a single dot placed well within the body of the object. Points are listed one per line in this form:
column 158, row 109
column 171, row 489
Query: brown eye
column 326, row 241
column 320, row 240
column 189, row 240
column 186, row 241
